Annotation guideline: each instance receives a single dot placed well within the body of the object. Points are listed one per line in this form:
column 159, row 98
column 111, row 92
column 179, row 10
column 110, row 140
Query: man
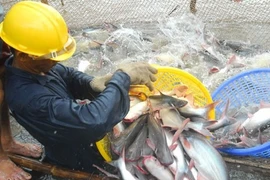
column 8, row 170
column 42, row 93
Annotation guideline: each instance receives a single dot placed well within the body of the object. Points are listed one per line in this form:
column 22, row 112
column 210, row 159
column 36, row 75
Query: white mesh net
column 247, row 20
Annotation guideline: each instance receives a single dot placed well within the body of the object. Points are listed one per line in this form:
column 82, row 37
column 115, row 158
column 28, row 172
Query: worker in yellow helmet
column 42, row 93
column 8, row 170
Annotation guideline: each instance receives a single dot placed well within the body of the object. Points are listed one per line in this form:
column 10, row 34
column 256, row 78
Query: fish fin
column 191, row 164
column 180, row 90
column 250, row 115
column 140, row 169
column 206, row 133
column 264, row 105
column 208, row 123
column 231, row 60
column 213, row 70
column 245, row 132
column 172, row 147
column 179, row 130
column 162, row 94
column 150, row 144
column 237, row 127
column 224, row 113
column 106, row 172
column 186, row 143
column 190, row 99
column 223, row 143
column 212, row 105
column 201, row 177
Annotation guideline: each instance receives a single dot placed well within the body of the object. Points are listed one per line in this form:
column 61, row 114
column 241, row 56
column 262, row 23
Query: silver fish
column 128, row 135
column 126, row 175
column 189, row 111
column 157, row 169
column 134, row 151
column 171, row 118
column 136, row 111
column 164, row 101
column 224, row 120
column 158, row 138
column 258, row 121
column 182, row 169
column 251, row 142
column 207, row 160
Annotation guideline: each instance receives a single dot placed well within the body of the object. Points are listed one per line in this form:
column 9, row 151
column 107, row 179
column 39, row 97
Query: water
column 183, row 42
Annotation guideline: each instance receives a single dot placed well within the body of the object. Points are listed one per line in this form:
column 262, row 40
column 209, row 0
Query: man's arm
column 90, row 121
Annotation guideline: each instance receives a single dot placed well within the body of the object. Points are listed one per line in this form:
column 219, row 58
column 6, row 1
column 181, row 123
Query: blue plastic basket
column 249, row 87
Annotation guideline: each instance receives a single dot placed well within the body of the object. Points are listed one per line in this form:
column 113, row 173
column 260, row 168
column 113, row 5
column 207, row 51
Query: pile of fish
column 243, row 127
column 164, row 136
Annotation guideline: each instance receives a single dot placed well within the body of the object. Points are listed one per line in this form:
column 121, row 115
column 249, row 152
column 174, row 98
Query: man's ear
column 22, row 56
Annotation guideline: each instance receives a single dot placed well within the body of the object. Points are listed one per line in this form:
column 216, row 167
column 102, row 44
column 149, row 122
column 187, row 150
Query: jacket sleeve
column 75, row 79
column 88, row 122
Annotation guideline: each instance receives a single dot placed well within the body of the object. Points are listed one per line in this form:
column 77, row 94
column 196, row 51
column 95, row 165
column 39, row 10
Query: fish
column 182, row 169
column 126, row 175
column 224, row 120
column 189, row 111
column 161, row 101
column 118, row 129
column 200, row 127
column 213, row 63
column 134, row 100
column 258, row 121
column 136, row 111
column 134, row 151
column 171, row 118
column 139, row 174
column 251, row 142
column 207, row 160
column 147, row 150
column 157, row 169
column 158, row 139
column 241, row 48
column 128, row 135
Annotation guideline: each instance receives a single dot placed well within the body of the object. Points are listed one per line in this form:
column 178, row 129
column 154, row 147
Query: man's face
column 39, row 66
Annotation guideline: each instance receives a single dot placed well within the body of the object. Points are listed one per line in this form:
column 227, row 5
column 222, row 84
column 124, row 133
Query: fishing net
column 246, row 20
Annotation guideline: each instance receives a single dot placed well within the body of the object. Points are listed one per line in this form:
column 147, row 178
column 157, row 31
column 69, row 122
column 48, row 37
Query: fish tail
column 211, row 106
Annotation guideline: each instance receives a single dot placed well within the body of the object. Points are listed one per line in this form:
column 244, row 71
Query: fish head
column 178, row 103
column 151, row 160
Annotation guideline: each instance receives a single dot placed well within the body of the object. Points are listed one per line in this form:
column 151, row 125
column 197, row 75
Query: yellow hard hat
column 37, row 29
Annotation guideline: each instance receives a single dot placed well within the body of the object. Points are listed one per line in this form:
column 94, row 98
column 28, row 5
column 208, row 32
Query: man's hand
column 140, row 73
column 98, row 83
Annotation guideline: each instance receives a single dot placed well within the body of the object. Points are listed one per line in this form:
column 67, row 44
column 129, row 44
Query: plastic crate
column 249, row 87
column 167, row 79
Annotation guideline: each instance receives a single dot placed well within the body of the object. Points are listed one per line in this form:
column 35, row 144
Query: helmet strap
column 70, row 44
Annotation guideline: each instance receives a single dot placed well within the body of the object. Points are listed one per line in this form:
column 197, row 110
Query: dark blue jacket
column 45, row 106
